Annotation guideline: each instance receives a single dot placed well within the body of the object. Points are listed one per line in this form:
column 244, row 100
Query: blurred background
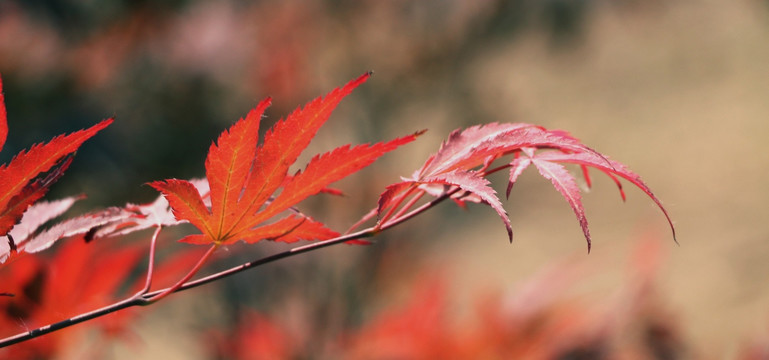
column 677, row 90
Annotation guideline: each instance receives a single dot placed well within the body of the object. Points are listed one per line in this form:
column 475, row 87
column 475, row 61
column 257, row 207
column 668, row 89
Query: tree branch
column 146, row 298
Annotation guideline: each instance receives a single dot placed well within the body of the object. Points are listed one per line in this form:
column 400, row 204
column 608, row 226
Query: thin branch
column 71, row 321
column 265, row 260
column 150, row 297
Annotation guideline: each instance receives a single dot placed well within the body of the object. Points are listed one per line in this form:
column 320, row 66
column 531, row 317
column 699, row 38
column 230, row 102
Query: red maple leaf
column 463, row 161
column 20, row 186
column 243, row 177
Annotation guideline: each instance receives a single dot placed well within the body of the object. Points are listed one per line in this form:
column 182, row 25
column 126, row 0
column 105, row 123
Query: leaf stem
column 410, row 203
column 151, row 265
column 180, row 283
column 485, row 173
column 397, row 204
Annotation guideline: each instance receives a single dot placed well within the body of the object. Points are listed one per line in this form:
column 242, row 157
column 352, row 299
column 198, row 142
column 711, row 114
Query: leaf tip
column 104, row 123
column 673, row 229
column 586, row 231
column 157, row 184
column 361, row 79
column 258, row 111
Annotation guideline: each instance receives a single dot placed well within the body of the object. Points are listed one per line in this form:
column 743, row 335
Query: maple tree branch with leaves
column 248, row 185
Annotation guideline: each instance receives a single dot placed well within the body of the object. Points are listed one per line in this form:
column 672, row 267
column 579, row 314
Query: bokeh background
column 677, row 90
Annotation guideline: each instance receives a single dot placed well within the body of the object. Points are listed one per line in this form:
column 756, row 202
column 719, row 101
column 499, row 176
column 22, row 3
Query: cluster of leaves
column 460, row 167
column 250, row 195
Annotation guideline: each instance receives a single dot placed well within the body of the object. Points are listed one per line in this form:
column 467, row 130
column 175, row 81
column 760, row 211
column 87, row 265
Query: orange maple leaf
column 243, row 176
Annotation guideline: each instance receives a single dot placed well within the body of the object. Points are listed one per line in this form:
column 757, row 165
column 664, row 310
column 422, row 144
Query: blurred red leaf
column 417, row 330
column 80, row 277
column 256, row 336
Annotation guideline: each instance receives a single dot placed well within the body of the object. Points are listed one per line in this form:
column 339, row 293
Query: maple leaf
column 19, row 187
column 243, row 177
column 463, row 161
